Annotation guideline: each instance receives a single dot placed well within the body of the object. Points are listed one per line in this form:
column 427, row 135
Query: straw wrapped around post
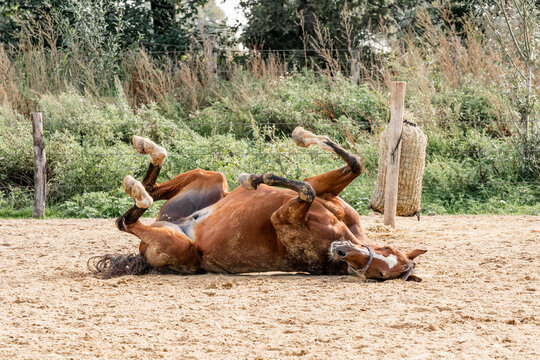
column 411, row 171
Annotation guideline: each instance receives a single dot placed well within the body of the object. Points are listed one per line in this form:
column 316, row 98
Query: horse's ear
column 414, row 278
column 413, row 254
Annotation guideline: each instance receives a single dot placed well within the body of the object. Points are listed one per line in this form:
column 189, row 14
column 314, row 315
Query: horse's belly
column 236, row 246
column 238, row 235
column 238, row 254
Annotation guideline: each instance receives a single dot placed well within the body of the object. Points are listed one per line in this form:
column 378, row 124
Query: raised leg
column 157, row 158
column 294, row 211
column 197, row 180
column 332, row 182
column 137, row 190
column 143, row 201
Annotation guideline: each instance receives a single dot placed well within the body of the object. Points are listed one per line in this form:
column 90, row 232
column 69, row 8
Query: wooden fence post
column 355, row 67
column 397, row 105
column 40, row 174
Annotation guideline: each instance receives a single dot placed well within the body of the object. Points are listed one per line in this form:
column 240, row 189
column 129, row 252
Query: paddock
column 479, row 299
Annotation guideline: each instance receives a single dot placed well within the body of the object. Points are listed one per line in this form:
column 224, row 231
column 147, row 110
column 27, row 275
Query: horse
column 268, row 223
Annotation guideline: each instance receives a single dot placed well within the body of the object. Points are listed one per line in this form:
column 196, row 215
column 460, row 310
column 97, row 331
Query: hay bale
column 411, row 171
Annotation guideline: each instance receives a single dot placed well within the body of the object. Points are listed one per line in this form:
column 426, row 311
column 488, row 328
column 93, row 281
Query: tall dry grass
column 432, row 61
column 438, row 59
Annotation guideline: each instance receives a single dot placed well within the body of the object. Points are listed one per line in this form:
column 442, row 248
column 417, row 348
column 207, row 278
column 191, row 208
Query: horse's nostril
column 341, row 253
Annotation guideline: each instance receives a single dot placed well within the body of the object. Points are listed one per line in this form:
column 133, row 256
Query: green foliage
column 305, row 99
column 397, row 16
column 474, row 173
column 98, row 204
column 16, row 198
column 89, row 150
column 16, row 152
column 473, row 105
column 127, row 22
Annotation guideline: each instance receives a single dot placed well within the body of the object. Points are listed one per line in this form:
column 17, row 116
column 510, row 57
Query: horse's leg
column 197, row 180
column 138, row 190
column 164, row 245
column 208, row 187
column 157, row 158
column 143, row 201
column 332, row 182
column 305, row 241
column 167, row 190
column 295, row 210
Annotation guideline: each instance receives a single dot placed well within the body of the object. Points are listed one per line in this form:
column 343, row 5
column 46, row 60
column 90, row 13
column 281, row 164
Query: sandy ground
column 479, row 299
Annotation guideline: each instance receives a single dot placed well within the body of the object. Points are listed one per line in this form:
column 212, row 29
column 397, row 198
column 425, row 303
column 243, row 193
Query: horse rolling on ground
column 269, row 223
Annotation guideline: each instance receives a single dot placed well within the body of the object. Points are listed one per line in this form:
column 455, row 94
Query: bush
column 16, row 197
column 474, row 105
column 247, row 129
column 16, row 150
column 303, row 99
column 75, row 168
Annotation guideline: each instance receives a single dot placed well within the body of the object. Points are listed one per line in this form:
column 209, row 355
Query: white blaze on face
column 390, row 260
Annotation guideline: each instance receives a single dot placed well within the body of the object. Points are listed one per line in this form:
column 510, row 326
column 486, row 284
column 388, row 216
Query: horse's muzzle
column 340, row 249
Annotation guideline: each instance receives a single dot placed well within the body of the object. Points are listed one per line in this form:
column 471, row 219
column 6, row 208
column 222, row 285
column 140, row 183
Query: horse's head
column 374, row 262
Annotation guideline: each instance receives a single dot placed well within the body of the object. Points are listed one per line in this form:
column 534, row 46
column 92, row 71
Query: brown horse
column 269, row 223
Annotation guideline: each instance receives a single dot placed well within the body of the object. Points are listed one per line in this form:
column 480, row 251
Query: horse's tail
column 109, row 266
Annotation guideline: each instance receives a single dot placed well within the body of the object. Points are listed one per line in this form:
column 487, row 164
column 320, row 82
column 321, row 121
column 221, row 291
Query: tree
column 169, row 22
column 273, row 24
column 515, row 27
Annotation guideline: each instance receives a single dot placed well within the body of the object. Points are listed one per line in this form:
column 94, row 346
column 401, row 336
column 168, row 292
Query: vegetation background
column 103, row 71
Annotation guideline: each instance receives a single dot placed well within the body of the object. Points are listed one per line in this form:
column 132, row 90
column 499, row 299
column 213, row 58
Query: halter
column 365, row 268
column 408, row 273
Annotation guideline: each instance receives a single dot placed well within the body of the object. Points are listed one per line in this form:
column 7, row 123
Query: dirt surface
column 479, row 299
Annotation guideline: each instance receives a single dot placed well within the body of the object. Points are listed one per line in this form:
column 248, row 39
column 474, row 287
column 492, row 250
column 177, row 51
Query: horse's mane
column 109, row 266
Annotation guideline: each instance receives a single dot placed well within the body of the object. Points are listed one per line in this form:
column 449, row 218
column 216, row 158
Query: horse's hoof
column 245, row 181
column 136, row 190
column 305, row 138
column 157, row 153
column 298, row 136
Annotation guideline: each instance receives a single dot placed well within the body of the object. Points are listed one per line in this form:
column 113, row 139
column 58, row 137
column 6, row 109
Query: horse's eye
column 381, row 273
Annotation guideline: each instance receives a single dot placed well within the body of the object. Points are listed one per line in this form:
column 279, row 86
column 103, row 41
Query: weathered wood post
column 40, row 174
column 355, row 67
column 397, row 105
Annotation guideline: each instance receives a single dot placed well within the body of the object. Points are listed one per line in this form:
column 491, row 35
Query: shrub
column 473, row 105
column 303, row 99
column 16, row 150
column 75, row 168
